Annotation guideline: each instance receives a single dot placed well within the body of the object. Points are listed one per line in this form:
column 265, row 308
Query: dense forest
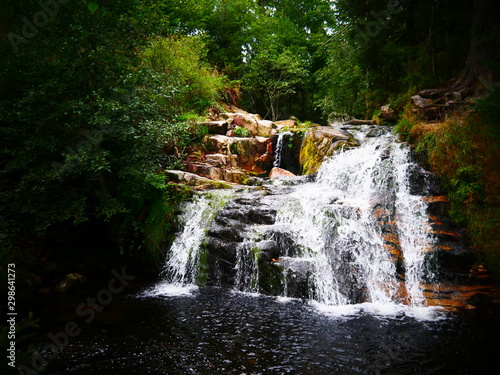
column 99, row 98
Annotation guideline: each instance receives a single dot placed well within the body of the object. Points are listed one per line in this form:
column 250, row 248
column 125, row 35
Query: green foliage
column 92, row 110
column 464, row 154
column 403, row 128
column 188, row 82
column 241, row 132
column 342, row 84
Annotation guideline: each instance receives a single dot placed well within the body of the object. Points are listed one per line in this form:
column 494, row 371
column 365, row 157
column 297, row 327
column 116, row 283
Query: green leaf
column 92, row 7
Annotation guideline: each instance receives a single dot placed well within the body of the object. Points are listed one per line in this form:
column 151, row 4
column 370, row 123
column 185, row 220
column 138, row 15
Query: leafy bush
column 188, row 82
column 241, row 132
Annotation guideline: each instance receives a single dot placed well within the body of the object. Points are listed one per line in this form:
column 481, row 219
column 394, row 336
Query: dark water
column 219, row 332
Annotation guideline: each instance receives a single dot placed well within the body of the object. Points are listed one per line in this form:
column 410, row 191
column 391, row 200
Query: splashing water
column 182, row 263
column 357, row 231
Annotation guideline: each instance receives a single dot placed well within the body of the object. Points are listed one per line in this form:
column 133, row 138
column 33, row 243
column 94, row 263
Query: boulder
column 264, row 128
column 192, row 179
column 280, row 172
column 235, row 175
column 284, row 124
column 246, row 152
column 359, row 122
column 319, row 143
column 420, row 102
column 216, row 127
column 388, row 114
column 246, row 121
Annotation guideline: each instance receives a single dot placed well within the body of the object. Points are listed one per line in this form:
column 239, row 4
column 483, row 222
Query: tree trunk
column 477, row 73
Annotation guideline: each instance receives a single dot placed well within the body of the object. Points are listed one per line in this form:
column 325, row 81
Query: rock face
column 232, row 252
column 233, row 159
column 194, row 180
column 238, row 146
column 321, row 142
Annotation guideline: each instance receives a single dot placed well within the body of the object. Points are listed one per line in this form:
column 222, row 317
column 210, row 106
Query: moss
column 256, row 253
column 310, row 160
column 271, row 280
column 236, row 148
column 202, row 270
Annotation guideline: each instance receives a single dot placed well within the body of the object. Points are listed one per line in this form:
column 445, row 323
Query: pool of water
column 216, row 331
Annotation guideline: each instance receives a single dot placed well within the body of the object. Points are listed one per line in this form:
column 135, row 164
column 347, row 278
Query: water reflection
column 214, row 331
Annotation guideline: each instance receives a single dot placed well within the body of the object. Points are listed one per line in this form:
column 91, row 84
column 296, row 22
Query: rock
column 247, row 121
column 319, row 143
column 359, row 122
column 254, row 181
column 483, row 303
column 269, row 250
column 388, row 114
column 69, row 281
column 206, row 170
column 264, row 128
column 216, row 127
column 420, row 102
column 280, row 172
column 220, row 160
column 192, row 179
column 247, row 152
column 235, row 175
column 283, row 124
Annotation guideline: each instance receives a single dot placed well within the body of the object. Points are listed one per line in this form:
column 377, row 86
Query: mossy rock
column 319, row 143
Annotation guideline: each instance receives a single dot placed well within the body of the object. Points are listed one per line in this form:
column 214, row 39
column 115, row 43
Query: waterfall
column 355, row 235
column 279, row 148
column 184, row 254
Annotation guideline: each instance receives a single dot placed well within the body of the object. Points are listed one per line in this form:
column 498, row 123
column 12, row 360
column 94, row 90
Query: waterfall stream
column 354, row 237
column 278, row 153
column 323, row 274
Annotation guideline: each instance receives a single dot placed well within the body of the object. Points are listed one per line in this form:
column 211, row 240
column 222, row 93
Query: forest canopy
column 97, row 97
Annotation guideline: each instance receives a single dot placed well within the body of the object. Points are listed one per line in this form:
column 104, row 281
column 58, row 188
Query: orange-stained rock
column 280, row 172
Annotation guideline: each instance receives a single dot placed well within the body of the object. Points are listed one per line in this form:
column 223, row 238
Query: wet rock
column 269, row 250
column 221, row 261
column 483, row 303
column 319, row 143
column 228, row 234
column 359, row 122
column 254, row 181
column 422, row 182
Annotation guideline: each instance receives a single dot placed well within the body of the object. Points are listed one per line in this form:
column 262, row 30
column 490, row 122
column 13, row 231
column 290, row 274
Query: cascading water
column 279, row 148
column 332, row 232
column 181, row 267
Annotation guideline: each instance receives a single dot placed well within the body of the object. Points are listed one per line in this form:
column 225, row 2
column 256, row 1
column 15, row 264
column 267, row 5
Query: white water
column 279, row 148
column 184, row 254
column 335, row 233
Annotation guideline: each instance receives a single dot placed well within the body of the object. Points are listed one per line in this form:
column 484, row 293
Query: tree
column 88, row 123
